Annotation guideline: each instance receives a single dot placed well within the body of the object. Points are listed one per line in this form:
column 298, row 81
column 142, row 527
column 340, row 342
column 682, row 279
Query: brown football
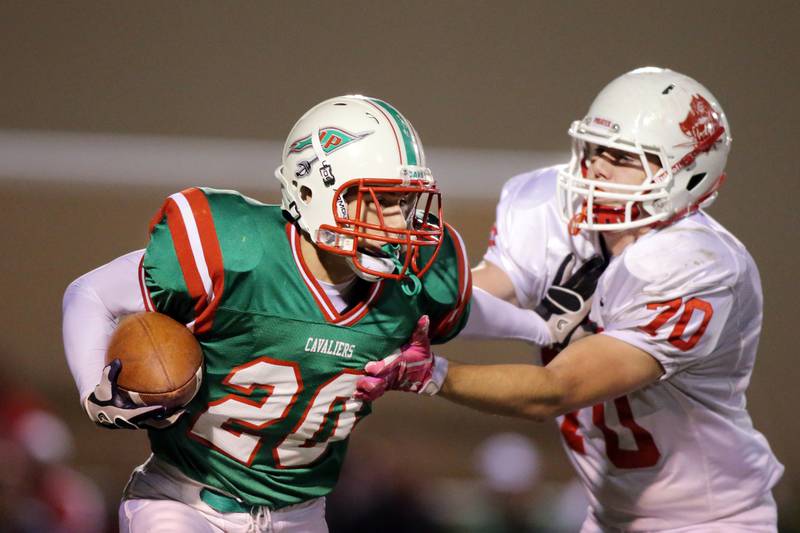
column 161, row 359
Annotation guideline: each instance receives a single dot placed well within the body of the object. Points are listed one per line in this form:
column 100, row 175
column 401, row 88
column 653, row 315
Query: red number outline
column 338, row 400
column 680, row 327
column 646, row 453
column 246, row 427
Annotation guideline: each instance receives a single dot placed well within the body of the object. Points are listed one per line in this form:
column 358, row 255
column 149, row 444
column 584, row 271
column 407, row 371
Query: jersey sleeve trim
column 148, row 302
column 194, row 237
column 464, row 286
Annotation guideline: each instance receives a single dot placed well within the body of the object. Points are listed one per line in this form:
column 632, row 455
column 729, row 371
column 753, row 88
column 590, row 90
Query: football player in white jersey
column 652, row 408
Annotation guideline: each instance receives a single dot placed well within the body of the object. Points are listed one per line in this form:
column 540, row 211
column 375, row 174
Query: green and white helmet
column 362, row 147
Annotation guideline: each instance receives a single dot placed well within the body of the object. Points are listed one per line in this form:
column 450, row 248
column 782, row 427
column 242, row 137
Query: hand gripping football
column 162, row 362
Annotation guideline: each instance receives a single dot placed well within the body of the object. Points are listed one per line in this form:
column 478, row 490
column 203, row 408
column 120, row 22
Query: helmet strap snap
column 410, row 284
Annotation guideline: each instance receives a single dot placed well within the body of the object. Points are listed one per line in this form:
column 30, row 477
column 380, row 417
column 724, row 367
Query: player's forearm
column 87, row 325
column 493, row 318
column 91, row 306
column 524, row 391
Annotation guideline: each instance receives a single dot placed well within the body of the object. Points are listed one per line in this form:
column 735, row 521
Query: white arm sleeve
column 493, row 318
column 92, row 306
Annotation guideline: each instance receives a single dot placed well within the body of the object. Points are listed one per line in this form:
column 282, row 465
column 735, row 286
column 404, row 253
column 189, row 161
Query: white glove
column 110, row 407
column 568, row 301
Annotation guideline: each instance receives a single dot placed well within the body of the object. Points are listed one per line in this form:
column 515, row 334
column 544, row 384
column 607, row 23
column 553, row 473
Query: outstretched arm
column 592, row 370
column 561, row 314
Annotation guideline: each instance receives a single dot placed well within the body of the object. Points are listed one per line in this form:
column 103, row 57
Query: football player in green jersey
column 289, row 304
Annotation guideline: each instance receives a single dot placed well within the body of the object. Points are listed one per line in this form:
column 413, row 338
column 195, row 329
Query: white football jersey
column 683, row 450
column 529, row 241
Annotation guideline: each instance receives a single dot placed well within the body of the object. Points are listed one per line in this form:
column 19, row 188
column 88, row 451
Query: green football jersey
column 271, row 420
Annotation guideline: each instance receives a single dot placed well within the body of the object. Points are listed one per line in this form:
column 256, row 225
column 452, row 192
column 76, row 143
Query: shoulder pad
column 447, row 286
column 682, row 254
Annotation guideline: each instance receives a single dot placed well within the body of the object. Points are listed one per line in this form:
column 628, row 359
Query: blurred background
column 107, row 107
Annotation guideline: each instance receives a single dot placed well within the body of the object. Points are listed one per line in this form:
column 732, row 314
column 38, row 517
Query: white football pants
column 762, row 518
column 160, row 499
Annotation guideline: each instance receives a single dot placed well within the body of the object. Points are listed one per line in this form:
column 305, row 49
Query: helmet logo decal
column 701, row 122
column 331, row 139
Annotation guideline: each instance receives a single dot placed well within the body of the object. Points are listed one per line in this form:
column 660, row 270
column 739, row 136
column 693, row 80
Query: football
column 161, row 360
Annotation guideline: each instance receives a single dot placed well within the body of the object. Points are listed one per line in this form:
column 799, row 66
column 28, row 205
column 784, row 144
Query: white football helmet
column 360, row 147
column 647, row 111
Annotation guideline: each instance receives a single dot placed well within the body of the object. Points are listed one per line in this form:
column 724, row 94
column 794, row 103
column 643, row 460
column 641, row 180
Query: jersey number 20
column 219, row 426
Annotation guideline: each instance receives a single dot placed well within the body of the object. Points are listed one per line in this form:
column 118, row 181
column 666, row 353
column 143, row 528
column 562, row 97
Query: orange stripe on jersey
column 317, row 293
column 464, row 286
column 158, row 217
column 359, row 311
column 194, row 239
column 212, row 255
column 183, row 250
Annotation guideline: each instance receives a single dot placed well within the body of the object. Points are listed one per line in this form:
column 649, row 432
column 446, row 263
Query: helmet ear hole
column 306, row 194
column 695, row 180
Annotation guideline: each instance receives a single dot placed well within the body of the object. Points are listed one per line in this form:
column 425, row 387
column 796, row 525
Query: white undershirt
column 338, row 292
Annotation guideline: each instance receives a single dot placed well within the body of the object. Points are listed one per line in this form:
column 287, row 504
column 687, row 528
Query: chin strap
column 390, row 263
column 410, row 284
column 602, row 214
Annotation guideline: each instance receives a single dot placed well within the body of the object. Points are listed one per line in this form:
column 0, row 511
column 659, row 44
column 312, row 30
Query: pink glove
column 413, row 368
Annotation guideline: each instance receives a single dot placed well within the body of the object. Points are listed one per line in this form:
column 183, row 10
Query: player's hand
column 113, row 408
column 413, row 368
column 566, row 305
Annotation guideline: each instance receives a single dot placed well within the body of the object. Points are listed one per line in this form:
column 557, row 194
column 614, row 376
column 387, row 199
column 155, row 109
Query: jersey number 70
column 331, row 405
